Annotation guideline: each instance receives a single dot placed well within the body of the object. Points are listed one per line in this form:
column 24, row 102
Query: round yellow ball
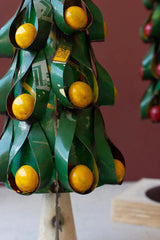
column 25, row 35
column 76, row 18
column 26, row 179
column 22, row 106
column 80, row 94
column 81, row 178
column 120, row 170
column 115, row 93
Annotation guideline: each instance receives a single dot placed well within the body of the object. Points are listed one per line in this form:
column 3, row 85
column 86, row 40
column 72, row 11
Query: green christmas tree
column 150, row 70
column 54, row 131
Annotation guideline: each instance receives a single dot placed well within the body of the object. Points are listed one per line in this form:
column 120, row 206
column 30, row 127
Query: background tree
column 150, row 70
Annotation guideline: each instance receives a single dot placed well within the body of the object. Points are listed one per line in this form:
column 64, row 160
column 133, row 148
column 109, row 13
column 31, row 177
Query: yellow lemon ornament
column 120, row 170
column 80, row 94
column 25, row 35
column 81, row 178
column 76, row 18
column 115, row 93
column 105, row 29
column 26, row 179
column 23, row 106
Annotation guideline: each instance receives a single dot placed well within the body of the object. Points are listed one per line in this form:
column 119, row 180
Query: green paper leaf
column 84, row 132
column 106, row 86
column 6, row 48
column 21, row 130
column 148, row 97
column 96, row 30
column 5, row 145
column 43, row 155
column 58, row 8
column 148, row 4
column 147, row 63
column 5, row 85
column 80, row 50
column 64, row 139
column 105, row 161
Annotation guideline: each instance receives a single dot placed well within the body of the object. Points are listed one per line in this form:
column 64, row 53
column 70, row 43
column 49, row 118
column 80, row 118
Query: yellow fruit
column 26, row 179
column 23, row 106
column 81, row 178
column 105, row 29
column 25, row 35
column 76, row 17
column 115, row 93
column 120, row 170
column 80, row 94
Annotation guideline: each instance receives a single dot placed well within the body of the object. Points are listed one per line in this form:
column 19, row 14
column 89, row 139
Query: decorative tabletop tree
column 54, row 136
column 150, row 70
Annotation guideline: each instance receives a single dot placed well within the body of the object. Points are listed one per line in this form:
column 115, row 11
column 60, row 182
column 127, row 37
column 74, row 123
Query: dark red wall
column 121, row 55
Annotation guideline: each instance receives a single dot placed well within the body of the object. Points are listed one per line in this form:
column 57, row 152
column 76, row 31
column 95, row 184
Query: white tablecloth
column 19, row 217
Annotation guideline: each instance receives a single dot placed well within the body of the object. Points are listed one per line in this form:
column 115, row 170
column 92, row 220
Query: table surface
column 19, row 216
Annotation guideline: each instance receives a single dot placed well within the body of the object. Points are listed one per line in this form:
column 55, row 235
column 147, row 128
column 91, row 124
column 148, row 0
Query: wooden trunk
column 48, row 212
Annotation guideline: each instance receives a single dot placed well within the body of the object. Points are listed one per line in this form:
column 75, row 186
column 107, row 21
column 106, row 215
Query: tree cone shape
column 120, row 170
column 81, row 178
column 80, row 94
column 23, row 106
column 76, row 18
column 25, row 35
column 26, row 179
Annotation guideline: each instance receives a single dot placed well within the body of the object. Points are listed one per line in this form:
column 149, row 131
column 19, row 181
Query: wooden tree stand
column 135, row 207
column 47, row 230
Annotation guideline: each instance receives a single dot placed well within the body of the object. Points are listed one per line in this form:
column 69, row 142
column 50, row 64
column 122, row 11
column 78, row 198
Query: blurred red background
column 121, row 54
